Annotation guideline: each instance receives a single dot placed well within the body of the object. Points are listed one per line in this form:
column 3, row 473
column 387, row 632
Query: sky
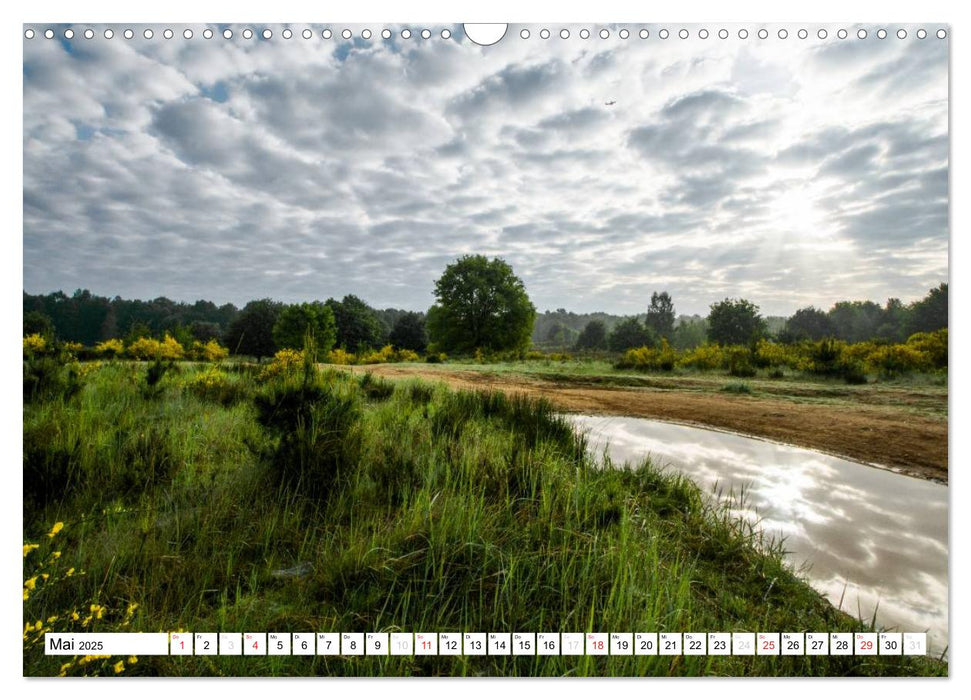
column 787, row 171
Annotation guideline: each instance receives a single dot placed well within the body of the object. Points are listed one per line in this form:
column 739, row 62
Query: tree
column 252, row 331
column 358, row 325
column 296, row 320
column 409, row 332
column 660, row 314
column 593, row 336
column 690, row 332
column 628, row 334
column 930, row 313
column 809, row 323
column 894, row 321
column 481, row 304
column 855, row 321
column 204, row 331
column 38, row 323
column 735, row 322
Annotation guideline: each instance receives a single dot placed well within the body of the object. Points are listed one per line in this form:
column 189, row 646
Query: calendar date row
column 378, row 644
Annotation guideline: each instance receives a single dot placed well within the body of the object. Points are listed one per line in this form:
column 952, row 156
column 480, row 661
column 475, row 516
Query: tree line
column 260, row 328
column 740, row 322
column 481, row 305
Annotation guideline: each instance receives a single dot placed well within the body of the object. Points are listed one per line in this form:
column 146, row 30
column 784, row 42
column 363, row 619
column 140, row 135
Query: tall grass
column 423, row 510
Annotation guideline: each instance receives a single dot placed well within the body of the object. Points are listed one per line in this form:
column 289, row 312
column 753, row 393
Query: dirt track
column 874, row 433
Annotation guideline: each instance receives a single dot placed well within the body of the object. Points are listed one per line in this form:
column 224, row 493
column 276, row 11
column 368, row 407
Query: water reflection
column 867, row 538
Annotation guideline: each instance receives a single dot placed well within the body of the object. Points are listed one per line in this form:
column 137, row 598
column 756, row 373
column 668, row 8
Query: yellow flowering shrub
column 110, row 348
column 856, row 352
column 144, row 349
column 34, row 344
column 171, row 349
column 340, row 356
column 284, row 362
column 894, row 360
column 406, row 356
column 644, row 358
column 934, row 344
column 703, row 357
column 210, row 351
column 211, row 384
column 374, row 357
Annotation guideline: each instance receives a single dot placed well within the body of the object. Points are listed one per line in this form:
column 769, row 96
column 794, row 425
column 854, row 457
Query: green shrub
column 313, row 423
column 739, row 361
column 50, row 470
column 375, row 387
column 51, row 376
column 737, row 388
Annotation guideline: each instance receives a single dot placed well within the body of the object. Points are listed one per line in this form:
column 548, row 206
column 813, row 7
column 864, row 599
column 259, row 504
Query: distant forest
column 86, row 318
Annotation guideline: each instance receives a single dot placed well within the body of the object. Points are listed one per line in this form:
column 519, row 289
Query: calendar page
column 438, row 349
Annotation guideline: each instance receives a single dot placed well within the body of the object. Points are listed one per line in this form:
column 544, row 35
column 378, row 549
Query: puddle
column 873, row 539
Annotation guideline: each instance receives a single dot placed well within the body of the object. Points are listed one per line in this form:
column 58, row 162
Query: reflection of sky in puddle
column 875, row 539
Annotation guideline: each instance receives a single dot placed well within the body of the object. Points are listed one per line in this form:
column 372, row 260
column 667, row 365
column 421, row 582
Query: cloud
column 791, row 173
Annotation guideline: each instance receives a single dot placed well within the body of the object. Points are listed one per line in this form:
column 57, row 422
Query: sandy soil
column 873, row 433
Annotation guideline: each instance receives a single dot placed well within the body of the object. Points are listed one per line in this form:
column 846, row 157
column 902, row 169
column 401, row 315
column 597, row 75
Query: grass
column 411, row 508
column 919, row 393
column 737, row 388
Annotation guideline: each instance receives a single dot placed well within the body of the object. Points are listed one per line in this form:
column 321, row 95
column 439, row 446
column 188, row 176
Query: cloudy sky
column 786, row 171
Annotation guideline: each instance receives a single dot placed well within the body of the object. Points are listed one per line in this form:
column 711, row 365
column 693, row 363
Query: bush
column 340, row 356
column 434, row 358
column 662, row 358
column 51, row 376
column 285, row 363
column 894, row 360
column 313, row 422
column 405, row 355
column 210, row 351
column 376, row 387
column 153, row 376
column 769, row 354
column 110, row 349
column 704, row 357
column 934, row 344
column 34, row 344
column 147, row 460
column 853, row 373
column 214, row 385
column 739, row 361
column 50, row 470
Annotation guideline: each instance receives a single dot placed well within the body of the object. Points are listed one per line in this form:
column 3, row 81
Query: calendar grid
column 386, row 644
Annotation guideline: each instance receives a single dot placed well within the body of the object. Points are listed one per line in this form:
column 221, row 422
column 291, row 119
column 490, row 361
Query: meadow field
column 231, row 496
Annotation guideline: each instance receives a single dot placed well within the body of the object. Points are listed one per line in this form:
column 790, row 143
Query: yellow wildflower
column 119, row 667
column 55, row 555
column 58, row 526
column 70, row 572
column 132, row 660
column 30, row 583
column 52, row 618
column 44, row 576
column 75, row 616
column 28, row 548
